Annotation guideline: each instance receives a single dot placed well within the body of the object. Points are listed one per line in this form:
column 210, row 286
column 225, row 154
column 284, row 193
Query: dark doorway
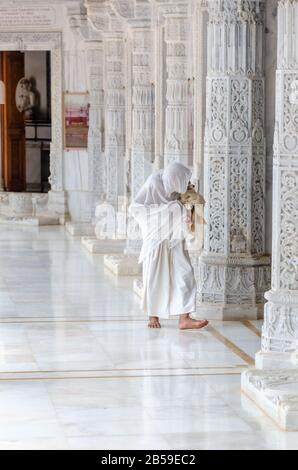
column 26, row 120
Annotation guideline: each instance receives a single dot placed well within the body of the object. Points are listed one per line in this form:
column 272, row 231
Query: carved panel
column 288, row 229
column 217, row 95
column 280, row 328
column 215, row 235
column 239, row 197
column 290, row 114
column 239, row 132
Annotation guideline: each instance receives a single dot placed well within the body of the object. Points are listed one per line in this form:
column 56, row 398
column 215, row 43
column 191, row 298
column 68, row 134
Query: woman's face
column 190, row 186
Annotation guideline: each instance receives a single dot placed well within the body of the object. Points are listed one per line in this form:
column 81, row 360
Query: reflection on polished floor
column 80, row 370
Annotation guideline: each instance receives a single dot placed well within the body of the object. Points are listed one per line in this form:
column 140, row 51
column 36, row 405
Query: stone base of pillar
column 229, row 312
column 279, row 332
column 123, row 265
column 57, row 204
column 32, row 221
column 232, row 288
column 33, row 208
column 276, row 393
column 138, row 287
column 96, row 246
column 276, row 360
column 77, row 229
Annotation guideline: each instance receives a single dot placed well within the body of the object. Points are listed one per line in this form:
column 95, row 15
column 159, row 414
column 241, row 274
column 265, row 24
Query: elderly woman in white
column 169, row 286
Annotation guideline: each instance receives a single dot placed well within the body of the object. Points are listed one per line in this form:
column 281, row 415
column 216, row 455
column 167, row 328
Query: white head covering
column 160, row 186
column 175, row 178
column 156, row 209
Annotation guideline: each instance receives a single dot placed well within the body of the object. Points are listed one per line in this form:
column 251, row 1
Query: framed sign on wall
column 76, row 120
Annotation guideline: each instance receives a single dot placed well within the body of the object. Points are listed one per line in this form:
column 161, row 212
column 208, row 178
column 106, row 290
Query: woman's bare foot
column 154, row 322
column 187, row 323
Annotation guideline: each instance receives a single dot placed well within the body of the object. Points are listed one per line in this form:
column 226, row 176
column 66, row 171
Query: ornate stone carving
column 276, row 393
column 97, row 163
column 280, row 330
column 235, row 159
column 98, row 14
column 142, row 119
column 142, row 106
column 79, row 24
column 178, row 84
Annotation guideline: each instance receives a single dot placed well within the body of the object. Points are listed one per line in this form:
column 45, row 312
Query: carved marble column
column 111, row 171
column 276, row 391
column 97, row 167
column 199, row 49
column 142, row 122
column 142, row 134
column 142, row 151
column 57, row 201
column 233, row 271
column 177, row 126
column 159, row 72
column 114, row 89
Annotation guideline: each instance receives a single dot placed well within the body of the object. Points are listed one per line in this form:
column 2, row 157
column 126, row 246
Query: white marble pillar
column 199, row 14
column 142, row 121
column 274, row 384
column 57, row 200
column 107, row 142
column 177, row 124
column 159, row 72
column 142, row 145
column 97, row 167
column 114, row 97
column 142, row 134
column 233, row 271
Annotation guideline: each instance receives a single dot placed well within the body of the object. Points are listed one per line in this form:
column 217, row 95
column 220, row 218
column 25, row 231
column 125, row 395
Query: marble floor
column 80, row 370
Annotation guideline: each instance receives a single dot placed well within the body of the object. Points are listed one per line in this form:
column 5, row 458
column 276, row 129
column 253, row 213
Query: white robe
column 169, row 286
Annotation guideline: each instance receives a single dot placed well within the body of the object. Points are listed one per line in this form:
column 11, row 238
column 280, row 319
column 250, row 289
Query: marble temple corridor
column 79, row 369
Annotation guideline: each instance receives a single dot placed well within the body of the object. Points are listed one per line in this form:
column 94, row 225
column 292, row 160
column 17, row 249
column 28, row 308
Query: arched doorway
column 26, row 120
column 52, row 42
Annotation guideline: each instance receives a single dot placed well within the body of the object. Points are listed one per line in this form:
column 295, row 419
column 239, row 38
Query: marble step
column 36, row 221
column 95, row 246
